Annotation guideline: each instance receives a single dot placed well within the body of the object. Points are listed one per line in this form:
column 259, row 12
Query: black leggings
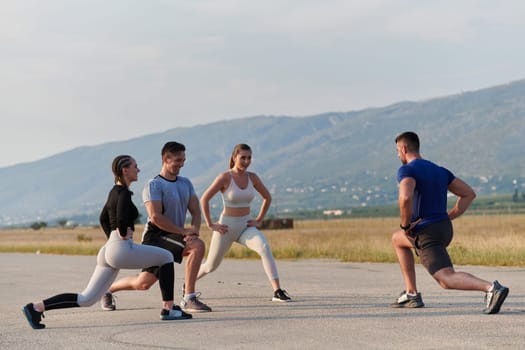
column 118, row 254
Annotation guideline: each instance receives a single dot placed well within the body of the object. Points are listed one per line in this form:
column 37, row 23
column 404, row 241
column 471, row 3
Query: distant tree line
column 37, row 225
column 490, row 204
column 63, row 223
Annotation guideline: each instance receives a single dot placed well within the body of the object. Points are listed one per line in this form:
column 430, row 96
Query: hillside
column 327, row 161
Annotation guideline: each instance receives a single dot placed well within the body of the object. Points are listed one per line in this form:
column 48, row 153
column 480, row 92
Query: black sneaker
column 281, row 295
column 108, row 302
column 33, row 317
column 495, row 298
column 174, row 314
column 406, row 300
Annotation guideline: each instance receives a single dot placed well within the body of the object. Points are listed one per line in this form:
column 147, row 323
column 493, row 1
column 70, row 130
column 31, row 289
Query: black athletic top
column 119, row 211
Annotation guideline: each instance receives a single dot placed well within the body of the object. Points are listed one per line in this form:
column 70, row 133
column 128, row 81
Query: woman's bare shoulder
column 224, row 176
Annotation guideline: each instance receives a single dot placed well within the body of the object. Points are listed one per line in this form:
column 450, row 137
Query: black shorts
column 431, row 246
column 170, row 241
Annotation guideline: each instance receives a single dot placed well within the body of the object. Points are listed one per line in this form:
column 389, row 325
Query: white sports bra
column 236, row 197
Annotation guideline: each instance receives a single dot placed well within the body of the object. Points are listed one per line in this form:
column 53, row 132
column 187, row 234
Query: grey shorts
column 431, row 246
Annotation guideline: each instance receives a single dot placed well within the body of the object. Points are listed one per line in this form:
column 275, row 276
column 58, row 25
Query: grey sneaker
column 281, row 295
column 194, row 305
column 108, row 302
column 174, row 314
column 495, row 298
column 406, row 300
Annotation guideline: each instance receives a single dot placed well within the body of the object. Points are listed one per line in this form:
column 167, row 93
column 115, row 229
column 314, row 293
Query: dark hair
column 239, row 147
column 172, row 147
column 411, row 139
column 119, row 163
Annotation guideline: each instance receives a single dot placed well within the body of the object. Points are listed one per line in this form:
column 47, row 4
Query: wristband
column 404, row 228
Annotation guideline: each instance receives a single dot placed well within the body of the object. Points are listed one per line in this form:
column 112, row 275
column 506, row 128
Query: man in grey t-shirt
column 168, row 197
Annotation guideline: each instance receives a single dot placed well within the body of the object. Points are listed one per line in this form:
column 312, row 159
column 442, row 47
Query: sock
column 37, row 310
column 189, row 296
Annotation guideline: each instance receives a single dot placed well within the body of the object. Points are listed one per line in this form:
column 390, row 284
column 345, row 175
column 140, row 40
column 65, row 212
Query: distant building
column 335, row 212
column 276, row 224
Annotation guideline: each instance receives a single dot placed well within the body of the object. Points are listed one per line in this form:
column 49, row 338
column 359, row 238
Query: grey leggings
column 238, row 232
column 118, row 254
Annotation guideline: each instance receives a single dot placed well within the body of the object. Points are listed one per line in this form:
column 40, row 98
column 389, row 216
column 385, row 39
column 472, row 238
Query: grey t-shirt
column 174, row 195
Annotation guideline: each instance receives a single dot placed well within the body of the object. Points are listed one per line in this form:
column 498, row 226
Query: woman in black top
column 117, row 219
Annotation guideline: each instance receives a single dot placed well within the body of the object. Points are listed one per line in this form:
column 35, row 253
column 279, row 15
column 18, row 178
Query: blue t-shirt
column 430, row 194
column 174, row 195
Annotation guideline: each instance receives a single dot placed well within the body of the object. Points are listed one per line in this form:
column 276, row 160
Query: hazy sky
column 76, row 73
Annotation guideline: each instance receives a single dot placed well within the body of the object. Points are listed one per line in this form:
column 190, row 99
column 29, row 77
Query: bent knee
column 195, row 246
column 443, row 276
column 199, row 245
column 396, row 237
column 141, row 286
column 443, row 283
column 400, row 239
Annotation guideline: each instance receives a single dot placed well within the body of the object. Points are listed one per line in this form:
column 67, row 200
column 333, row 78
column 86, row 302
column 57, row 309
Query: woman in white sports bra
column 238, row 187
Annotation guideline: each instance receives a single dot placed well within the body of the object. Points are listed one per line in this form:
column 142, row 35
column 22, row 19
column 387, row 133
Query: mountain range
column 336, row 160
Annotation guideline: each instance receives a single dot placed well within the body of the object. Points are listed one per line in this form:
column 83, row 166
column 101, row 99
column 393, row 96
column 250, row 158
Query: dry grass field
column 497, row 240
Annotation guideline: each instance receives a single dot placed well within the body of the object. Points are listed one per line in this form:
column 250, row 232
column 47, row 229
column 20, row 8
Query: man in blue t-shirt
column 426, row 226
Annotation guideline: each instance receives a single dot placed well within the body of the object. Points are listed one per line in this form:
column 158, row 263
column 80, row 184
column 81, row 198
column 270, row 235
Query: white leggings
column 238, row 232
column 119, row 254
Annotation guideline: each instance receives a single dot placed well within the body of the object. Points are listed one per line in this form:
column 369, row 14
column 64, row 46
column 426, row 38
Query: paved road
column 337, row 306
